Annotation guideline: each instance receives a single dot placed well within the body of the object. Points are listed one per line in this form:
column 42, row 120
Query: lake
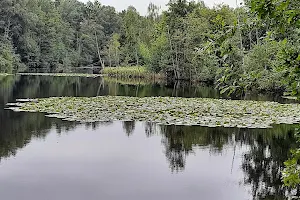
column 51, row 159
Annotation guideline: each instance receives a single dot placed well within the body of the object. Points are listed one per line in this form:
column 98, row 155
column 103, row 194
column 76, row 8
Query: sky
column 141, row 5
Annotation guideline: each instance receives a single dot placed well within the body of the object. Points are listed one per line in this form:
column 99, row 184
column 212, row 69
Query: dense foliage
column 291, row 173
column 252, row 47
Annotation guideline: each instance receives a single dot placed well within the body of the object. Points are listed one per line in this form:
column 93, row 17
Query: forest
column 236, row 75
column 252, row 47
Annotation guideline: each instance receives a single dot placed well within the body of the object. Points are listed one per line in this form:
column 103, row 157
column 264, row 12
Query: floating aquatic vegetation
column 290, row 97
column 5, row 74
column 165, row 110
column 60, row 74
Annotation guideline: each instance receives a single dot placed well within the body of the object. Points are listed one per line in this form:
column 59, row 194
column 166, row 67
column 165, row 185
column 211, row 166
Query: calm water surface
column 50, row 159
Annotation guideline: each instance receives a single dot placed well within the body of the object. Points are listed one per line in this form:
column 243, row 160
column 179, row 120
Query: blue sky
column 141, row 5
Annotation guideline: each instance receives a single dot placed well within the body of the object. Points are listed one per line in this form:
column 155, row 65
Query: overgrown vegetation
column 130, row 72
column 291, row 173
column 132, row 81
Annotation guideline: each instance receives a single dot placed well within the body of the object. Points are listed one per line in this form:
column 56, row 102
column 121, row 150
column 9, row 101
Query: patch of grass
column 131, row 81
column 131, row 72
column 166, row 110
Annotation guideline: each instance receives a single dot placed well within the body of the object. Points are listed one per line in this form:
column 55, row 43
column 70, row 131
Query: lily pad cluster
column 5, row 74
column 61, row 74
column 165, row 110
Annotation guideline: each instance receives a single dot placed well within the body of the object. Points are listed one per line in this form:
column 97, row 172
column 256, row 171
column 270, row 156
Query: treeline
column 57, row 35
column 253, row 47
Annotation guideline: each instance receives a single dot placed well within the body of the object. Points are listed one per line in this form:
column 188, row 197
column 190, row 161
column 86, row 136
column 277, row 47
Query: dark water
column 50, row 159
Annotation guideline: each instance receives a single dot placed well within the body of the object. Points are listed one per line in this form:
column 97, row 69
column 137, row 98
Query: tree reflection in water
column 262, row 164
column 129, row 127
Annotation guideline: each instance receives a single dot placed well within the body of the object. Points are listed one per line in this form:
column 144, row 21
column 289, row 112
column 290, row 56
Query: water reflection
column 257, row 154
column 262, row 162
column 264, row 151
column 12, row 87
column 129, row 127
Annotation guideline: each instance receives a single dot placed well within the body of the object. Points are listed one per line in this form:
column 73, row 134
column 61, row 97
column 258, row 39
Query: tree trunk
column 171, row 48
column 177, row 62
column 117, row 58
column 136, row 57
column 98, row 50
column 257, row 38
column 109, row 56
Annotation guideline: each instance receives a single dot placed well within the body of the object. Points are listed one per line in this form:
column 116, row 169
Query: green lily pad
column 165, row 110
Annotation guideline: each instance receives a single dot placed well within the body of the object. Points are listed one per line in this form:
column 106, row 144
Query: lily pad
column 165, row 110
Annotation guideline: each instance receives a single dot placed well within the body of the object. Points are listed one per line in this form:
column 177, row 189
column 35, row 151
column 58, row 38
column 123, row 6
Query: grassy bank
column 131, row 81
column 131, row 72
